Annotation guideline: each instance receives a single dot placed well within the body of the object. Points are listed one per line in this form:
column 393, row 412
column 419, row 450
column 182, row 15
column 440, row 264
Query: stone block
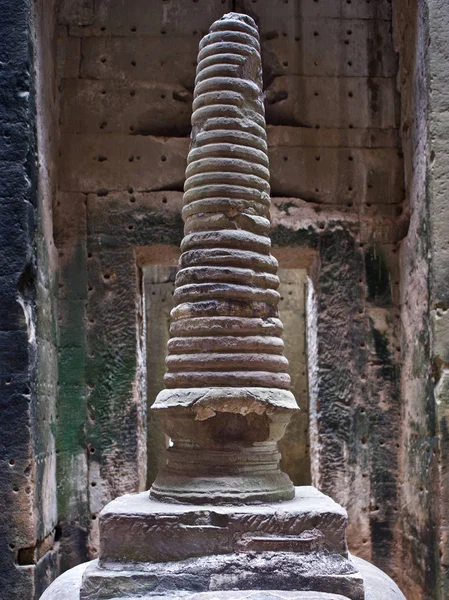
column 167, row 18
column 378, row 586
column 116, row 425
column 68, row 55
column 323, row 47
column 332, row 138
column 72, row 323
column 294, row 445
column 45, row 571
column 333, row 102
column 135, row 219
column 114, row 162
column 13, row 138
column 69, row 219
column 440, row 326
column 76, row 12
column 267, row 571
column 72, row 282
column 266, row 595
column 13, row 316
column 335, row 175
column 158, row 289
column 138, row 529
column 152, row 548
column 140, row 108
column 157, row 59
column 278, row 15
column 18, row 219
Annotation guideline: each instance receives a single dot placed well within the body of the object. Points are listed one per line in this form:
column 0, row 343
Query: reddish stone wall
column 421, row 32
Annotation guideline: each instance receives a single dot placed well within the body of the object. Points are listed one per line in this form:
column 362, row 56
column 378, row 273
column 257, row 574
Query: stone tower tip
column 235, row 16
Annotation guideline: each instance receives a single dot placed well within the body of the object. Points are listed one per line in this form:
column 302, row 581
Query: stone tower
column 227, row 401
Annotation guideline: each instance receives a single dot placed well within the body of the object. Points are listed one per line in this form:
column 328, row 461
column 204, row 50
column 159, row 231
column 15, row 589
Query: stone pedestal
column 151, row 548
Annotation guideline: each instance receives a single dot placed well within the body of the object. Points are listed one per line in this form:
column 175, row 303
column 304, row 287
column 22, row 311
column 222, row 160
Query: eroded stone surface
column 317, row 571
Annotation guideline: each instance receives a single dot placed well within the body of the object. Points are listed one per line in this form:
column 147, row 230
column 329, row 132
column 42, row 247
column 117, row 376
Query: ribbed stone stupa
column 227, row 401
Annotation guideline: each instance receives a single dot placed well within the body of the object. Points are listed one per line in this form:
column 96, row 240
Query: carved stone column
column 227, row 401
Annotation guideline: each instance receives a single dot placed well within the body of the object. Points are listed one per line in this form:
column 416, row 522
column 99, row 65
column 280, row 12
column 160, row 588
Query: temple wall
column 421, row 31
column 28, row 279
column 356, row 105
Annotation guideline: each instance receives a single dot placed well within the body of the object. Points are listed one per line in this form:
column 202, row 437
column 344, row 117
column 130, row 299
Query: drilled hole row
column 285, row 63
column 101, row 158
column 318, row 158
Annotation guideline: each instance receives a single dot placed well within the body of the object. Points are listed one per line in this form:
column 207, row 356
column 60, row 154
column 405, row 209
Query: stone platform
column 151, row 548
column 290, row 550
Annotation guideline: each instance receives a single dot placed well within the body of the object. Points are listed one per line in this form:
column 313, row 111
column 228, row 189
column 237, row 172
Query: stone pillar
column 227, row 401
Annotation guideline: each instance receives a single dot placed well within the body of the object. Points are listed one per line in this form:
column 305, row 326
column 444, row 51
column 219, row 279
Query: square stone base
column 153, row 548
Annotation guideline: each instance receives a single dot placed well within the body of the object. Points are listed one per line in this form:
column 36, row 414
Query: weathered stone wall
column 418, row 443
column 126, row 78
column 438, row 165
column 28, row 560
column 422, row 34
column 43, row 553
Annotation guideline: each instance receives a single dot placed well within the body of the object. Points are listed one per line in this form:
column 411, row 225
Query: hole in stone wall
column 26, row 556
